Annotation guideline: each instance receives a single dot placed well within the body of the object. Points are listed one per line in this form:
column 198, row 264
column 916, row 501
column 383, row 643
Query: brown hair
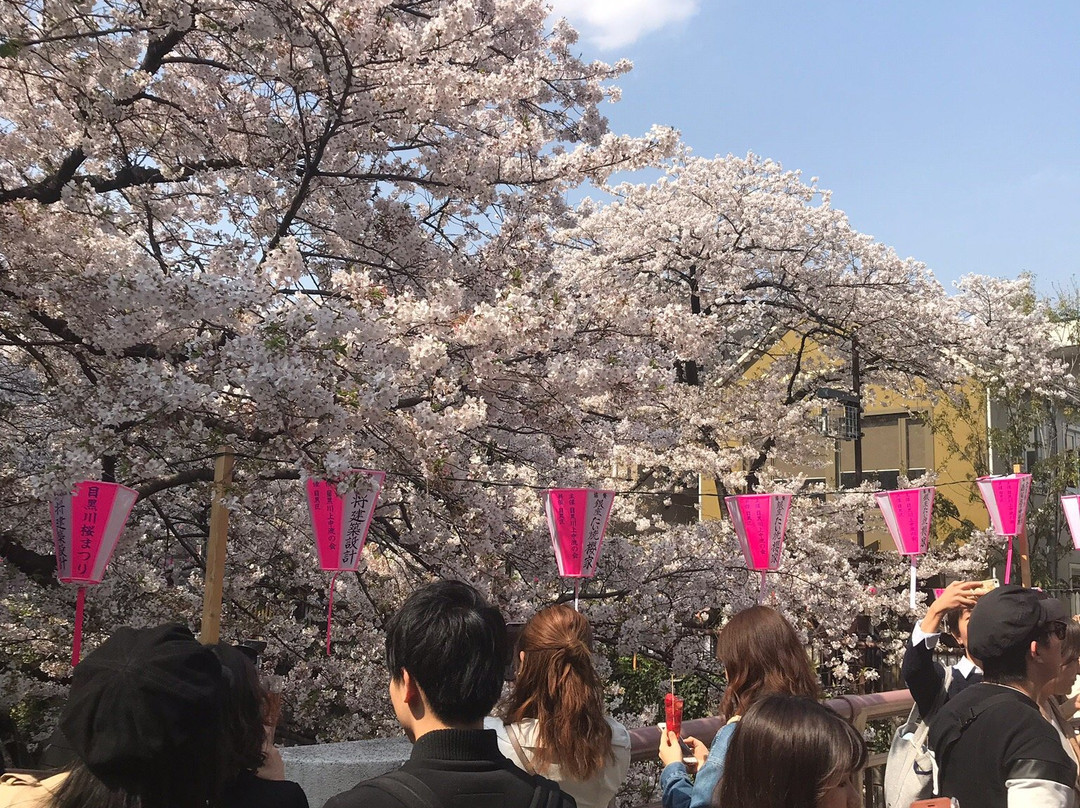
column 558, row 686
column 786, row 752
column 1070, row 646
column 761, row 653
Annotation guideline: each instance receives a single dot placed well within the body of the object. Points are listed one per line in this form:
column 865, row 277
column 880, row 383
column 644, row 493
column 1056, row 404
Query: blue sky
column 948, row 130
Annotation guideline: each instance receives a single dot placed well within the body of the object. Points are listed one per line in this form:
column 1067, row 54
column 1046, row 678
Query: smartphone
column 936, row 802
column 687, row 752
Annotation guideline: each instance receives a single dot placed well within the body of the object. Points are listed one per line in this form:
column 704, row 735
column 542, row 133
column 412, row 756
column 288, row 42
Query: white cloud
column 612, row 24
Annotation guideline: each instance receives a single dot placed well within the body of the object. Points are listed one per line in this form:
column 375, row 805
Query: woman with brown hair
column 761, row 653
column 554, row 723
column 792, row 752
column 252, row 769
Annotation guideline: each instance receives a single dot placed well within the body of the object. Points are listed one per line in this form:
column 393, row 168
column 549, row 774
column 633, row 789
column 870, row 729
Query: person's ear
column 411, row 692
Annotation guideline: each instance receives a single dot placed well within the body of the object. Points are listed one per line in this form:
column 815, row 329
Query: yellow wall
column 960, row 434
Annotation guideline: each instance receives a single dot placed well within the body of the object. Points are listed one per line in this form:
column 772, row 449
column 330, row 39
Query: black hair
column 454, row 646
column 191, row 782
column 1011, row 666
column 242, row 728
column 1070, row 646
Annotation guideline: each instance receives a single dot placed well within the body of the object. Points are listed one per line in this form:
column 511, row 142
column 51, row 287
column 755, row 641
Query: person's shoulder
column 956, row 712
column 294, row 793
column 364, row 795
column 248, row 791
column 620, row 735
column 495, row 724
column 972, row 695
column 556, row 795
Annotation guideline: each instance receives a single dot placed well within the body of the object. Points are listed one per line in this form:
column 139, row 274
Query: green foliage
column 947, row 527
column 643, row 689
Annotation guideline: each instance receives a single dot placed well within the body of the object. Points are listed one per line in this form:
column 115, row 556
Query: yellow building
column 897, row 439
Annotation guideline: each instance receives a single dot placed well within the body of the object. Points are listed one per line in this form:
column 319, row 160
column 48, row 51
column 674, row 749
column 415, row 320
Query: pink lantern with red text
column 907, row 515
column 577, row 520
column 1070, row 503
column 86, row 527
column 341, row 525
column 760, row 522
column 1006, row 498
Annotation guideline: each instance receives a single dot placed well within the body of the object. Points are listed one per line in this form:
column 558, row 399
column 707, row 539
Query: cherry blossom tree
column 336, row 235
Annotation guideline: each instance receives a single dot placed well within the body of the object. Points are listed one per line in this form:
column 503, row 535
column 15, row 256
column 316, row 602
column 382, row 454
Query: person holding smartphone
column 761, row 653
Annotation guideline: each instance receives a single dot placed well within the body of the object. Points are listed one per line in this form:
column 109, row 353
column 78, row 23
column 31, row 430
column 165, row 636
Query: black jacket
column 464, row 769
column 989, row 736
column 924, row 677
column 248, row 791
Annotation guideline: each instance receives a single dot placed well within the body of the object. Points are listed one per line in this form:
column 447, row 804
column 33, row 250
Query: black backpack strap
column 546, row 795
column 407, row 789
column 966, row 720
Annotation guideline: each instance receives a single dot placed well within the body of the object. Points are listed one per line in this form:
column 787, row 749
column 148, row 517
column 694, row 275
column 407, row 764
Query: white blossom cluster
column 331, row 236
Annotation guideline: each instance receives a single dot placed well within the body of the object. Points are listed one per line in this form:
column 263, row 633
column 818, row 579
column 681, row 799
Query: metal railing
column 859, row 710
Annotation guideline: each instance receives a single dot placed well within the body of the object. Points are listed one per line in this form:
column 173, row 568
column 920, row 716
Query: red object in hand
column 673, row 713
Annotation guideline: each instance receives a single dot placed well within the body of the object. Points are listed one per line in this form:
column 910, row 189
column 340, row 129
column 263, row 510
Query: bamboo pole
column 215, row 549
column 1022, row 541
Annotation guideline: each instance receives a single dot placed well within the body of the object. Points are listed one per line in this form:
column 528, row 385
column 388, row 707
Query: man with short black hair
column 446, row 649
column 993, row 748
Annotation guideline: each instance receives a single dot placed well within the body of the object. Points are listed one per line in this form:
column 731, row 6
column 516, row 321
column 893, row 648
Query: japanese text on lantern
column 776, row 531
column 354, row 533
column 86, row 532
column 61, row 528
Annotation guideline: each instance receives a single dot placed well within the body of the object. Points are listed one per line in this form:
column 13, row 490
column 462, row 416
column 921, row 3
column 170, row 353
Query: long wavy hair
column 558, row 686
column 761, row 653
column 786, row 752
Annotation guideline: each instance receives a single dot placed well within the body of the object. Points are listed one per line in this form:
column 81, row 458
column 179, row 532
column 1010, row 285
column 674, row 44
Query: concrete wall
column 326, row 769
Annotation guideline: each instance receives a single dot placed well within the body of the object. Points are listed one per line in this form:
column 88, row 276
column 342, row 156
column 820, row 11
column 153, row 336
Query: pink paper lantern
column 907, row 515
column 577, row 520
column 760, row 522
column 341, row 525
column 1006, row 498
column 86, row 526
column 1070, row 503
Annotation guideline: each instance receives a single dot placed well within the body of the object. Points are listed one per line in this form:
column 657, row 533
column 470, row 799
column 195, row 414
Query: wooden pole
column 215, row 549
column 1022, row 542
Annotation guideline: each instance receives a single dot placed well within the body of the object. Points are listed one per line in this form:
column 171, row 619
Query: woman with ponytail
column 554, row 722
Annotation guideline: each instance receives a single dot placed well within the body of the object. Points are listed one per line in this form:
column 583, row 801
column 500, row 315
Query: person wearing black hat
column 992, row 747
column 143, row 720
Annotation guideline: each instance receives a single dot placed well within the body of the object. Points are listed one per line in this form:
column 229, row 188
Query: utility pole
column 856, row 387
column 1025, row 553
column 210, row 631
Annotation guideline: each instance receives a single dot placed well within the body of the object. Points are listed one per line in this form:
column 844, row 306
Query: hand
column 700, row 750
column 273, row 767
column 670, row 751
column 1070, row 707
column 958, row 593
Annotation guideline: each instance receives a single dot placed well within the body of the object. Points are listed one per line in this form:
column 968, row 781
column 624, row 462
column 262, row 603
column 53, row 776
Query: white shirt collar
column 965, row 667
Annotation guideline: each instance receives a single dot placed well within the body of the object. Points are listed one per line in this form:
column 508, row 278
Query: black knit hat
column 1007, row 617
column 140, row 701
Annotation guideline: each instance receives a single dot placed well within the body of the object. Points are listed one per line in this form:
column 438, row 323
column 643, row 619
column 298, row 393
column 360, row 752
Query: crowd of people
column 156, row 720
